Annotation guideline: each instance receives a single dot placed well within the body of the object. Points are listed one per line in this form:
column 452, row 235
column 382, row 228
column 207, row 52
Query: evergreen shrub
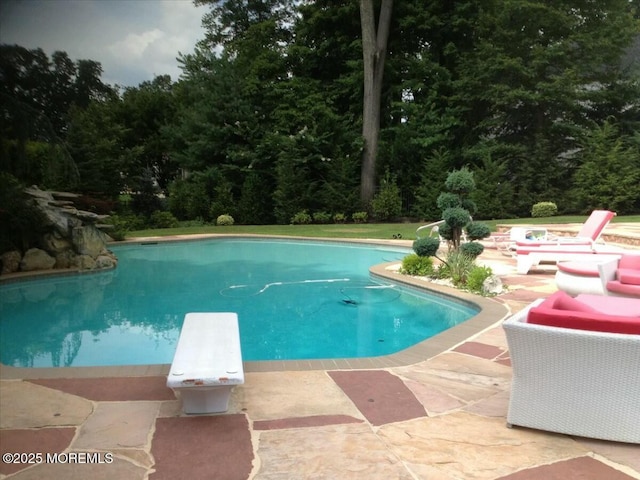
column 473, row 249
column 426, row 247
column 224, row 220
column 387, row 204
column 477, row 230
column 544, row 209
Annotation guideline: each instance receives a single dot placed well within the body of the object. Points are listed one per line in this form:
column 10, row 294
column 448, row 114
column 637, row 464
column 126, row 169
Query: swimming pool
column 294, row 299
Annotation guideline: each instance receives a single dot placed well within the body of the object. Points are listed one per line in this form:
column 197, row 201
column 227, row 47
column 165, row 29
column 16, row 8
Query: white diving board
column 208, row 362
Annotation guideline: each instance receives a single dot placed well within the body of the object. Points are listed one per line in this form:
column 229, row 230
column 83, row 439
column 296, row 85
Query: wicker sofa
column 573, row 381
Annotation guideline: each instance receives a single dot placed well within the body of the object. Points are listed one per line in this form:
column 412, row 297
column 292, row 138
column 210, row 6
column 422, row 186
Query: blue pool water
column 294, row 299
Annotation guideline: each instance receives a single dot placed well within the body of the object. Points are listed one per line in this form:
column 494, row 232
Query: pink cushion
column 621, row 306
column 616, row 286
column 552, row 243
column 630, row 261
column 629, row 276
column 555, row 248
column 583, row 269
column 593, row 226
column 551, row 314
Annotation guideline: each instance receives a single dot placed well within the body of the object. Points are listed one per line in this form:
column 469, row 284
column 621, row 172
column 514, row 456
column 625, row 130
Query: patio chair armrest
column 607, row 271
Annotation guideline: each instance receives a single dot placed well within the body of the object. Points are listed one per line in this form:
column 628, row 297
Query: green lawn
column 350, row 230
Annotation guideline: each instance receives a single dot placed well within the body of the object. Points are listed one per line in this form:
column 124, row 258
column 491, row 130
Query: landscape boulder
column 10, row 261
column 36, row 259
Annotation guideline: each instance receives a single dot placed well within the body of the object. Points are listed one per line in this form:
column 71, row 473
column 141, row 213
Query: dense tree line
column 540, row 99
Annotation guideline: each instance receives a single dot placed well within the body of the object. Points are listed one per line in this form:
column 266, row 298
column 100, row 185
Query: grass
column 406, row 231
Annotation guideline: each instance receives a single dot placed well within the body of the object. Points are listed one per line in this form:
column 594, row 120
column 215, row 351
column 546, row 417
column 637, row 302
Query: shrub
column 473, row 249
column 301, row 218
column 224, row 220
column 322, row 217
column 339, row 218
column 477, row 276
column 120, row 227
column 360, row 217
column 387, row 203
column 416, row 265
column 477, row 230
column 160, row 219
column 426, row 247
column 459, row 266
column 544, row 209
column 442, row 271
column 196, row 222
column 456, row 218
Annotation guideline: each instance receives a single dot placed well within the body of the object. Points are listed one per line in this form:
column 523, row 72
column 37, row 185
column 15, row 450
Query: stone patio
column 442, row 417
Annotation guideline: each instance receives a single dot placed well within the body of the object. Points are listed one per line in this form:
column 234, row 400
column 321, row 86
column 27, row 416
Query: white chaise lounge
column 528, row 257
column 208, row 362
column 590, row 232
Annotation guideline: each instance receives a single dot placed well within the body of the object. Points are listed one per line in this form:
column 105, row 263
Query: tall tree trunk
column 374, row 50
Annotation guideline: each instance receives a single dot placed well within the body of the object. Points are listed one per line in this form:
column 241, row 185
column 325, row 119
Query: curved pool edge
column 491, row 312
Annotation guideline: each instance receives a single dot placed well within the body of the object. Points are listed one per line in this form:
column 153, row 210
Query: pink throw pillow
column 563, row 301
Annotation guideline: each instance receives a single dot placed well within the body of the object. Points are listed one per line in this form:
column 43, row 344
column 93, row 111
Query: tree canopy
column 540, row 100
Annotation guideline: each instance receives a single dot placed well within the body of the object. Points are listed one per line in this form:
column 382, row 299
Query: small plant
column 160, row 219
column 416, row 265
column 544, row 209
column 322, row 217
column 473, row 249
column 360, row 217
column 442, row 271
column 224, row 220
column 426, row 247
column 301, row 218
column 339, row 218
column 460, row 264
column 476, row 277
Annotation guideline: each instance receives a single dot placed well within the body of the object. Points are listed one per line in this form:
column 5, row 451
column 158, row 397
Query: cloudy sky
column 134, row 40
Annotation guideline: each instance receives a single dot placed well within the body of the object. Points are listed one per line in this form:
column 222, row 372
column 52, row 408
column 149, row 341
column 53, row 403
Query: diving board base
column 205, row 400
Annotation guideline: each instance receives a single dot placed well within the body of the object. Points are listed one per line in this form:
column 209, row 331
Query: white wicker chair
column 575, row 382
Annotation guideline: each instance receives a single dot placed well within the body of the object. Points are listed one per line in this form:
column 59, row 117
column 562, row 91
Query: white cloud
column 134, row 45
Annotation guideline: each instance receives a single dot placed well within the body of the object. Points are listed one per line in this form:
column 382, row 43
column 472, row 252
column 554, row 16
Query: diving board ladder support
column 208, row 362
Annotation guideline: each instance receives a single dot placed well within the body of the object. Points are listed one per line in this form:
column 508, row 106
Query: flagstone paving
column 438, row 418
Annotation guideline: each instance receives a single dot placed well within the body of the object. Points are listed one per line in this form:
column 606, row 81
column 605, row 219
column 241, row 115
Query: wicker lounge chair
column 573, row 381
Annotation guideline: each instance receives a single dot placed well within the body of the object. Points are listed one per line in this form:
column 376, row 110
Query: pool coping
column 492, row 312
